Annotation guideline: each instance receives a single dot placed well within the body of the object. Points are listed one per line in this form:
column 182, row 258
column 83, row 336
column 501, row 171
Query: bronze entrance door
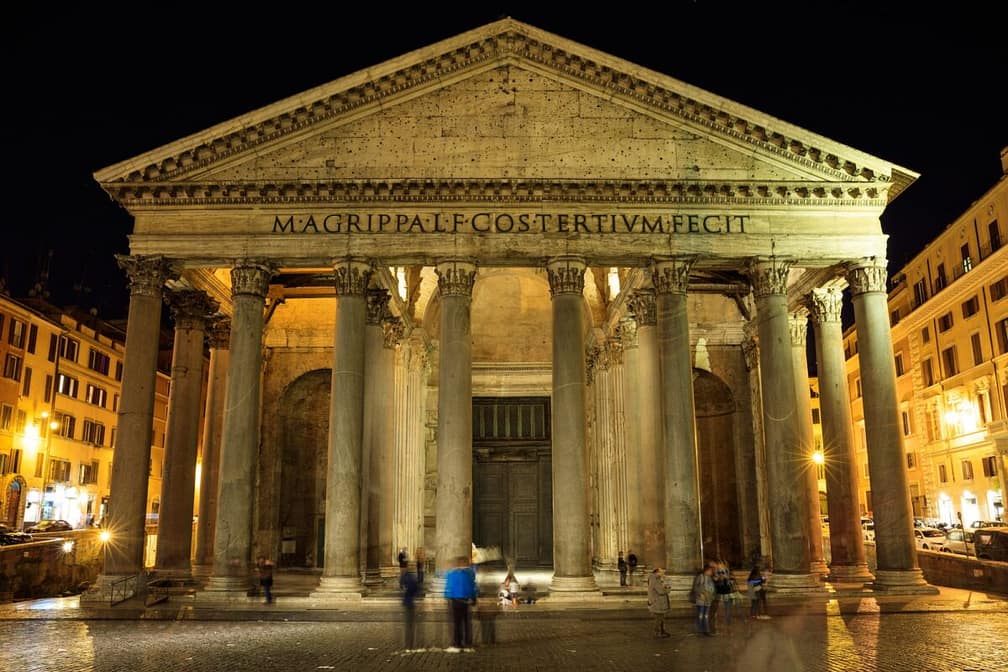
column 512, row 479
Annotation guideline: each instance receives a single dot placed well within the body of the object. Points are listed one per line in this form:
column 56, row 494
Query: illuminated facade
column 949, row 313
column 59, row 398
column 511, row 291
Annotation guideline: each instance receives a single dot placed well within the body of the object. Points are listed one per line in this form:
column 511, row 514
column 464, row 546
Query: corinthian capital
column 351, row 276
column 867, row 275
column 671, row 276
column 377, row 306
column 825, row 305
column 798, row 324
column 455, row 277
column 627, row 332
column 147, row 274
column 251, row 277
column 768, row 276
column 642, row 305
column 190, row 308
column 392, row 331
column 566, row 275
column 219, row 334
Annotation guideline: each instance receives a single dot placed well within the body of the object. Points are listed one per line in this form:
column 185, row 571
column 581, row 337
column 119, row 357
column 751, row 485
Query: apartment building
column 949, row 316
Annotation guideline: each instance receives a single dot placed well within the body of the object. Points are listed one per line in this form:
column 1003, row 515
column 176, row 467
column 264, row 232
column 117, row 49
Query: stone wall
column 43, row 568
column 958, row 571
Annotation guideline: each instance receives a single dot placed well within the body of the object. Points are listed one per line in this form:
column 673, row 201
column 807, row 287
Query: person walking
column 725, row 591
column 622, row 567
column 264, row 566
column 757, row 594
column 631, row 567
column 658, row 600
column 410, row 586
column 461, row 592
column 703, row 596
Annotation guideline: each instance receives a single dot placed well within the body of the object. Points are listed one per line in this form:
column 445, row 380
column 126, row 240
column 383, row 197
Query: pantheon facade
column 512, row 291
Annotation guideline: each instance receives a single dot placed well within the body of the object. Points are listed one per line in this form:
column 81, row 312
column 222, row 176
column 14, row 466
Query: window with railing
column 967, row 258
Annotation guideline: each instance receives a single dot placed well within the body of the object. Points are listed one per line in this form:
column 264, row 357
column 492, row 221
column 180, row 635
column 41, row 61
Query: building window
column 65, row 425
column 949, row 361
column 995, row 235
column 945, row 322
column 112, row 438
column 26, row 383
column 20, row 421
column 941, row 280
column 6, row 416
column 32, row 338
column 970, row 307
column 96, row 395
column 977, row 349
column 927, row 373
column 967, row 470
column 16, row 333
column 815, row 416
column 905, row 415
column 93, row 432
column 999, row 289
column 89, row 473
column 967, row 260
column 989, row 466
column 12, row 367
column 59, row 471
column 857, row 388
column 1001, row 329
column 899, row 364
column 920, row 292
column 894, row 317
column 118, row 375
column 99, row 361
column 67, row 385
column 942, row 474
column 115, row 403
column 925, row 335
column 911, row 461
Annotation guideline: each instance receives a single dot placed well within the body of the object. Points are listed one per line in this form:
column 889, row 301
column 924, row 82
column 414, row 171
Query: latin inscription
column 510, row 222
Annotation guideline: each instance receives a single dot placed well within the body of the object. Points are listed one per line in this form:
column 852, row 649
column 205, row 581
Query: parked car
column 9, row 536
column 929, row 538
column 959, row 541
column 49, row 526
column 991, row 543
column 985, row 523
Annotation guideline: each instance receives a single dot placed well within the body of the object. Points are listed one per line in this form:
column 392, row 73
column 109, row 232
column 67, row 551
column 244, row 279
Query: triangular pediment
column 504, row 102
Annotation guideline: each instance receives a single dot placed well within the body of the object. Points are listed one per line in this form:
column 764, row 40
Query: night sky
column 921, row 88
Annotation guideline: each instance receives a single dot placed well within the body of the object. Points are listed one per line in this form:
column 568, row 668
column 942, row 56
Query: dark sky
column 923, row 88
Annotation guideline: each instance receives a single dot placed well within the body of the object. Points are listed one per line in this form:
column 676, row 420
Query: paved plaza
column 956, row 630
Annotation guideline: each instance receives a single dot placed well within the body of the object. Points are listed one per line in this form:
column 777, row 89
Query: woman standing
column 703, row 596
column 658, row 600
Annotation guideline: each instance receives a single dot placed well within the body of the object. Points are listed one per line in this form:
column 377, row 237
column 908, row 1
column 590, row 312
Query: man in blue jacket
column 461, row 592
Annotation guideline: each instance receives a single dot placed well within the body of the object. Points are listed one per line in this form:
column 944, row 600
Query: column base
column 819, row 567
column 573, row 588
column 679, row 585
column 851, row 573
column 902, row 582
column 795, row 583
column 183, row 575
column 111, row 588
column 202, row 572
column 225, row 589
column 372, row 578
column 341, row 588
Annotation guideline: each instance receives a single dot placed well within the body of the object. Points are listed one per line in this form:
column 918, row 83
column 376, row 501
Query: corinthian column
column 651, row 469
column 454, row 449
column 240, row 434
column 191, row 310
column 894, row 542
column 627, row 332
column 128, row 489
column 572, row 573
column 799, row 333
column 218, row 338
column 785, row 459
column 847, row 554
column 341, row 574
column 670, row 278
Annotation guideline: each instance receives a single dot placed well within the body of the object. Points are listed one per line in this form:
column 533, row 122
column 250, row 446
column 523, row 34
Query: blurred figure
column 658, row 600
column 410, row 586
column 264, row 567
column 703, row 596
column 461, row 592
column 622, row 567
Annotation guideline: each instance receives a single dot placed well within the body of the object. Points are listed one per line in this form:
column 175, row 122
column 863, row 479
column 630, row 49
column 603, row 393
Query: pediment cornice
column 508, row 42
column 658, row 192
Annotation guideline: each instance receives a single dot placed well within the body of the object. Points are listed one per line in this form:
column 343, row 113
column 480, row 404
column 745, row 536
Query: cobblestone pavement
column 839, row 635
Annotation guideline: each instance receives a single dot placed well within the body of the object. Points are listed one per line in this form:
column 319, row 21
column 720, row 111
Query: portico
column 512, row 216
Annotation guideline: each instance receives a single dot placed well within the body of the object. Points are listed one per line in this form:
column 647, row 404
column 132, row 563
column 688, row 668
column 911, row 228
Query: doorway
column 513, row 480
